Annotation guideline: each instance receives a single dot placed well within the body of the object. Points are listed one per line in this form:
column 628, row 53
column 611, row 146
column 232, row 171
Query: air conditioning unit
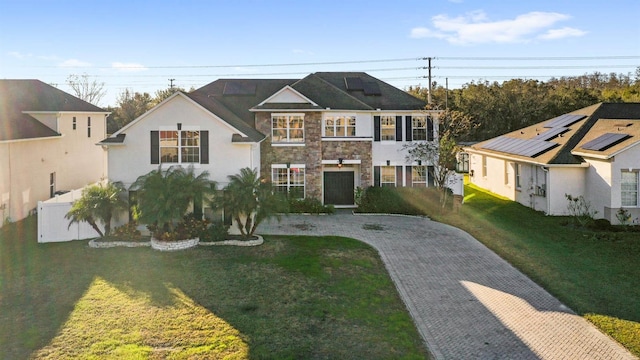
column 541, row 190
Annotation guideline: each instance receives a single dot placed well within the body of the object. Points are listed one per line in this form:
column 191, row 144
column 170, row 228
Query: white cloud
column 19, row 55
column 562, row 33
column 303, row 52
column 128, row 67
column 74, row 63
column 476, row 28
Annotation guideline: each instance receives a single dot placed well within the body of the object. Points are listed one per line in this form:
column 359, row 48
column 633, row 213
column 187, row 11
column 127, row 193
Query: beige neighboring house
column 47, row 145
column 592, row 152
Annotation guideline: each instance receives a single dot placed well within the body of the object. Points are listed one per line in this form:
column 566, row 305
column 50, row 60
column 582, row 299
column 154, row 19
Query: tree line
column 482, row 110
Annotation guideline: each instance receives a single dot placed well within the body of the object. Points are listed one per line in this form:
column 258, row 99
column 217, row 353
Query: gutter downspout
column 548, row 188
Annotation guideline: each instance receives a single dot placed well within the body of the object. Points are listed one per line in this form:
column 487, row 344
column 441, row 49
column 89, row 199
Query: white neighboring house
column 47, row 145
column 592, row 152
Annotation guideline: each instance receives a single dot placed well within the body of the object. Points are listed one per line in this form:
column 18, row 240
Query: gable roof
column 332, row 90
column 560, row 139
column 17, row 97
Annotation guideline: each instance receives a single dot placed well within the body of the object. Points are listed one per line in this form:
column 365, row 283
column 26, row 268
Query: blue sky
column 139, row 45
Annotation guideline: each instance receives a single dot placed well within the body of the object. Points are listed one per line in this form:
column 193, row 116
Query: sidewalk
column 466, row 301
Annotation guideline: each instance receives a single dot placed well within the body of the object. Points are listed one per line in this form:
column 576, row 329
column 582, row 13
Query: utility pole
column 429, row 97
column 171, row 83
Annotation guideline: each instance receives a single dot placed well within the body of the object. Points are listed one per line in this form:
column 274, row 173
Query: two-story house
column 321, row 136
column 47, row 145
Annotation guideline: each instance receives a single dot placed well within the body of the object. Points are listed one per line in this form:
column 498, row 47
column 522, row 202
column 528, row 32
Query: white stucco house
column 592, row 152
column 320, row 136
column 47, row 145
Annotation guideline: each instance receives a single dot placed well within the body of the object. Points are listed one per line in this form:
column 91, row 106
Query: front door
column 338, row 187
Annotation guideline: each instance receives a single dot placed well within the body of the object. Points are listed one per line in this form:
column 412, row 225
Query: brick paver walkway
column 466, row 301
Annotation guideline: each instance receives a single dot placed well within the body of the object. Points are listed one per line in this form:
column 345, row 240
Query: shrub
column 623, row 216
column 309, row 205
column 580, row 209
column 127, row 232
column 386, row 200
column 217, row 231
column 190, row 227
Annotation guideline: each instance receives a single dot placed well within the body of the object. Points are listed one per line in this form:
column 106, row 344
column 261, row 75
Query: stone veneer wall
column 351, row 150
column 312, row 154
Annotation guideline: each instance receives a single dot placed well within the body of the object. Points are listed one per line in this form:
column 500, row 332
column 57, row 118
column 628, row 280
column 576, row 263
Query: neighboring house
column 319, row 137
column 47, row 145
column 592, row 152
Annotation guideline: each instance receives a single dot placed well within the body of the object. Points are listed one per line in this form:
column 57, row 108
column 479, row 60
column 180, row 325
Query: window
column 179, row 146
column 388, row 176
column 387, row 128
column 289, row 181
column 507, row 172
column 484, row 166
column 419, row 176
column 629, row 188
column 518, row 175
column 74, row 123
column 52, row 184
column 340, row 126
column 287, row 128
column 89, row 127
column 419, row 128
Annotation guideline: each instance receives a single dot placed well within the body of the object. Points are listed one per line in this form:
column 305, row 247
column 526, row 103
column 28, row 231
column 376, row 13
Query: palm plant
column 98, row 203
column 164, row 195
column 251, row 200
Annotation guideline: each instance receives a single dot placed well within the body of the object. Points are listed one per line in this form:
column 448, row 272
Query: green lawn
column 290, row 298
column 597, row 274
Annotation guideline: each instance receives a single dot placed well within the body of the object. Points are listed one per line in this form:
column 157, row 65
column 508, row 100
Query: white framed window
column 419, row 128
column 507, row 172
column 179, row 146
column 52, row 184
column 387, row 128
column 388, row 176
column 287, row 128
column 74, row 123
column 289, row 180
column 340, row 126
column 484, row 166
column 419, row 176
column 629, row 188
column 518, row 169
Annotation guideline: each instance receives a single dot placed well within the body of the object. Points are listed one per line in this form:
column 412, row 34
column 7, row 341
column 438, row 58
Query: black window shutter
column 376, row 176
column 408, row 176
column 155, row 147
column 376, row 128
column 429, row 128
column 430, row 176
column 409, row 128
column 398, row 128
column 204, row 147
column 399, row 176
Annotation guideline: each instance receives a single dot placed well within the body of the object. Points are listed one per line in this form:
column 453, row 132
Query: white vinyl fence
column 52, row 225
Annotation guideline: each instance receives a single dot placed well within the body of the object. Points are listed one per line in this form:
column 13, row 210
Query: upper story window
column 185, row 146
column 419, row 128
column 89, row 127
column 178, row 147
column 629, row 188
column 340, row 126
column 74, row 123
column 287, row 128
column 387, row 128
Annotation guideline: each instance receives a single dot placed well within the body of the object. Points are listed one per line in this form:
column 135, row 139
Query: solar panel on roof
column 605, row 141
column 564, row 120
column 522, row 147
column 353, row 83
column 239, row 88
column 551, row 133
column 371, row 88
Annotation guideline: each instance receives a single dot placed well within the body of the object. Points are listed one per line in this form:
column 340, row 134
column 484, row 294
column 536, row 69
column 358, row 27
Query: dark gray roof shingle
column 19, row 96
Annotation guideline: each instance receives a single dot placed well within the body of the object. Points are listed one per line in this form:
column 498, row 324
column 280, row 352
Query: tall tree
column 86, row 89
column 130, row 105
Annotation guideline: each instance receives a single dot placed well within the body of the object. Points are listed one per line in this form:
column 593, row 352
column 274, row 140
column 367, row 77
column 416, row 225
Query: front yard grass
column 594, row 273
column 290, row 298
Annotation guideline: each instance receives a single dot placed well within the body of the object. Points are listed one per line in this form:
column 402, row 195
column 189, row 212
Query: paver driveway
column 466, row 301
